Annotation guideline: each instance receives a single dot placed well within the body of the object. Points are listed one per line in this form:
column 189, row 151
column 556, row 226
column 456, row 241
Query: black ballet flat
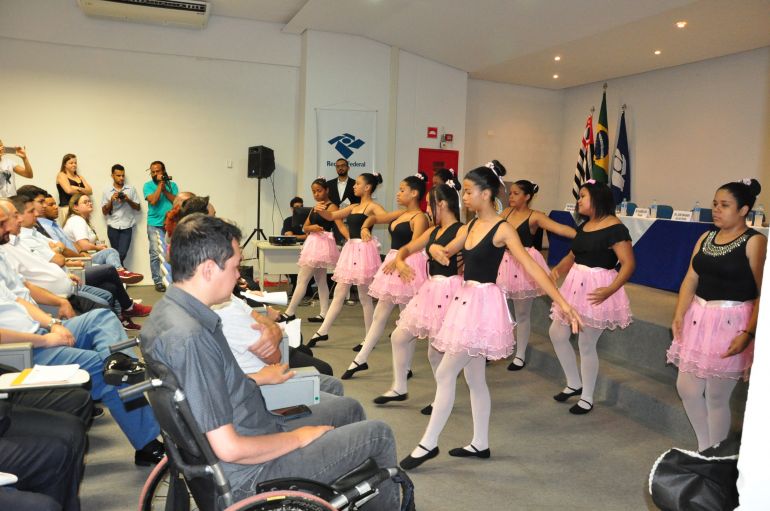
column 316, row 319
column 358, row 347
column 563, row 396
column 579, row 410
column 409, row 374
column 285, row 318
column 462, row 452
column 410, row 462
column 316, row 339
column 427, row 410
column 350, row 372
column 514, row 367
column 381, row 400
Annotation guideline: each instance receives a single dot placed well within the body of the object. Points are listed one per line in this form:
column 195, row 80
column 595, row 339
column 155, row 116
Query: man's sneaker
column 160, row 288
column 128, row 324
column 137, row 310
column 129, row 277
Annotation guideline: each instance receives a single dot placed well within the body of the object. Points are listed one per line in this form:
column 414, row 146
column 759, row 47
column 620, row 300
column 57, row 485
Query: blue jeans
column 107, row 256
column 120, row 240
column 94, row 332
column 154, row 236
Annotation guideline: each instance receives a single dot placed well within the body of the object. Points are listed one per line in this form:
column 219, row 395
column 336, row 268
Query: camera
column 121, row 195
column 9, row 150
column 166, row 178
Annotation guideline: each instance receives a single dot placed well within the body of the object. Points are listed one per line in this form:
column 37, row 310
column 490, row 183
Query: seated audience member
column 9, row 169
column 78, row 229
column 83, row 340
column 51, row 228
column 184, row 334
column 38, row 196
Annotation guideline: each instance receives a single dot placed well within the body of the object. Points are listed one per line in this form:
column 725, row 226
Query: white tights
column 303, row 279
column 340, row 293
column 707, row 403
column 374, row 331
column 522, row 310
column 589, row 358
column 474, row 369
column 403, row 344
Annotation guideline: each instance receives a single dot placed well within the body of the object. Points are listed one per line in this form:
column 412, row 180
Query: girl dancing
column 716, row 315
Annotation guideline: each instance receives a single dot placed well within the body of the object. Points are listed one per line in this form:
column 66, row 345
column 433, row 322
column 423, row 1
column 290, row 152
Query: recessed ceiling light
column 681, row 24
column 657, row 52
column 555, row 77
column 557, row 58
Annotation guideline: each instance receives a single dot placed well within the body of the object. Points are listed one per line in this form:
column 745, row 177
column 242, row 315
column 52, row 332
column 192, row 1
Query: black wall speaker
column 261, row 162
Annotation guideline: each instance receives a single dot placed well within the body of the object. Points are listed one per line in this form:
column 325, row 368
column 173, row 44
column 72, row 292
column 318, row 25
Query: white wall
column 66, row 93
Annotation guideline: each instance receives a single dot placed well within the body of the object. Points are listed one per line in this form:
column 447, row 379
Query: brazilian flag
column 601, row 145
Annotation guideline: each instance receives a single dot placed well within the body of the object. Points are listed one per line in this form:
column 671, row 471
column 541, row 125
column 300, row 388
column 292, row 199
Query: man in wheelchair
column 184, row 334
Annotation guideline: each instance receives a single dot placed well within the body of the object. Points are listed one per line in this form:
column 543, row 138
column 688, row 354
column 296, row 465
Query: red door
column 431, row 159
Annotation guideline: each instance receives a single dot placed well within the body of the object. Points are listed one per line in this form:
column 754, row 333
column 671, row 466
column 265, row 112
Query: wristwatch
column 54, row 321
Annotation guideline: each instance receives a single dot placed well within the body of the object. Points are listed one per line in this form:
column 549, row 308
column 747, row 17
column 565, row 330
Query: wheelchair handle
column 139, row 388
column 362, row 488
column 129, row 343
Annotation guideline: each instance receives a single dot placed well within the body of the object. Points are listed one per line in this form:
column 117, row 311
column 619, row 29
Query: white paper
column 642, row 212
column 275, row 298
column 292, row 331
column 570, row 206
column 682, row 216
column 49, row 374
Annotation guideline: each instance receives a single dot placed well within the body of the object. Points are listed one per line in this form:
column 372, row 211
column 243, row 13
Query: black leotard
column 448, row 235
column 723, row 270
column 483, row 260
column 594, row 248
column 400, row 235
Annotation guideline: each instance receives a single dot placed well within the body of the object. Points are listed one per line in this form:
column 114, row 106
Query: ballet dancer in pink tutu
column 716, row 315
column 319, row 253
column 359, row 259
column 388, row 287
column 518, row 285
column 594, row 288
column 477, row 325
column 426, row 311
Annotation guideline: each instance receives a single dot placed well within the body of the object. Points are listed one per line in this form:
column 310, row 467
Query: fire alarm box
column 432, row 132
column 448, row 137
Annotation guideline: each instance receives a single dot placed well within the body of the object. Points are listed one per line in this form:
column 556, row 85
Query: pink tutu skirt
column 392, row 287
column 613, row 312
column 477, row 323
column 358, row 262
column 425, row 312
column 707, row 331
column 319, row 251
column 515, row 282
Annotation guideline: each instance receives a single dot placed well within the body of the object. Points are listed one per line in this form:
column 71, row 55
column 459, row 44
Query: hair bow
column 746, row 181
column 452, row 171
column 591, row 181
column 420, row 176
column 375, row 173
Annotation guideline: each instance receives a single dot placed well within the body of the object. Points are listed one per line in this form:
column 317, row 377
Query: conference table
column 662, row 247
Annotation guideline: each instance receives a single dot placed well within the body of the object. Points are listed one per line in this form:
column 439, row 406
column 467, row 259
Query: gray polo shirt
column 186, row 336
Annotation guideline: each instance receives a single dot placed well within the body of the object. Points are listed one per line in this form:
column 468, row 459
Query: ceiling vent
column 177, row 13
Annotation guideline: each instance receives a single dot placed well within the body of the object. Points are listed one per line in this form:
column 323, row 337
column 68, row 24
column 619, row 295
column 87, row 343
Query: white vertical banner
column 349, row 134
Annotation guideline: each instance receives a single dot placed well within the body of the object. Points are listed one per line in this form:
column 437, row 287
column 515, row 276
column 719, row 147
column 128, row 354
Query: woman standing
column 359, row 259
column 319, row 252
column 68, row 183
column 716, row 315
column 517, row 284
column 426, row 311
column 594, row 288
column 477, row 325
column 387, row 286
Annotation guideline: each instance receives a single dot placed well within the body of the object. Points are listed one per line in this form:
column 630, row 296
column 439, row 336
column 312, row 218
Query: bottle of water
column 696, row 212
column 624, row 207
column 654, row 209
column 759, row 216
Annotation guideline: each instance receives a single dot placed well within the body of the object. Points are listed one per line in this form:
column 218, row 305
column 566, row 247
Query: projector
column 282, row 240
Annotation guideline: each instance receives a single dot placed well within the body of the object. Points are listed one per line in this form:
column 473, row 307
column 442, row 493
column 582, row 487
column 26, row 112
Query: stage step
column 633, row 374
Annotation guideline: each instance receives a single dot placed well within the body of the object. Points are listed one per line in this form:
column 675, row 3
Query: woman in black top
column 404, row 225
column 716, row 315
column 594, row 288
column 517, row 284
column 68, row 183
column 477, row 325
column 425, row 312
column 319, row 252
column 359, row 259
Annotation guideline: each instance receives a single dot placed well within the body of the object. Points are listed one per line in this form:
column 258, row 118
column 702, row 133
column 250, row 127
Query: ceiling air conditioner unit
column 179, row 13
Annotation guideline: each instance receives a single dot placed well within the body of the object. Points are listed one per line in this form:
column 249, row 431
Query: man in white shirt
column 120, row 203
column 8, row 169
column 341, row 188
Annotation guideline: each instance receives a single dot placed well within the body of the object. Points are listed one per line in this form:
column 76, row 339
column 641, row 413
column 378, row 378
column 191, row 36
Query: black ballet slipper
column 513, row 367
column 411, row 462
column 563, row 396
column 579, row 410
column 285, row 318
column 350, row 372
column 381, row 400
column 358, row 347
column 462, row 452
column 316, row 319
column 427, row 410
column 409, row 374
column 316, row 339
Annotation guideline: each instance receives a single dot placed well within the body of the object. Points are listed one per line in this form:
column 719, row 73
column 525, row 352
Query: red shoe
column 128, row 324
column 129, row 277
column 137, row 310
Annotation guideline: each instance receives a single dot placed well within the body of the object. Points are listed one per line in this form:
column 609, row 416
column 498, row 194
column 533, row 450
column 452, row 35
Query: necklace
column 714, row 250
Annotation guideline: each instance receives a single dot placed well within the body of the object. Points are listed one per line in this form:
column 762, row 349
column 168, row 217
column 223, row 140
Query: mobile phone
column 9, row 150
column 293, row 412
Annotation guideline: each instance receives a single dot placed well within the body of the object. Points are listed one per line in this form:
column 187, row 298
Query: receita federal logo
column 346, row 144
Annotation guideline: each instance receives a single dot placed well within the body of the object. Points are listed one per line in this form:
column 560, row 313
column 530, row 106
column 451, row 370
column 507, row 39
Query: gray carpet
column 542, row 456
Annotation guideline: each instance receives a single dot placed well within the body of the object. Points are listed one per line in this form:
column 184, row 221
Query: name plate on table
column 570, row 207
column 642, row 213
column 682, row 216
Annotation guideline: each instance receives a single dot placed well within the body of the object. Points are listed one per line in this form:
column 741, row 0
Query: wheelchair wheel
column 282, row 501
column 155, row 492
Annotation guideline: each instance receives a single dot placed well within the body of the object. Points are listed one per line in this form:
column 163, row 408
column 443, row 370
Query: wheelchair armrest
column 16, row 354
column 363, row 471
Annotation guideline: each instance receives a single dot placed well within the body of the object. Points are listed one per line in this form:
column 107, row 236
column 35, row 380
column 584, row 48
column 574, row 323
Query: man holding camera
column 119, row 205
column 159, row 193
column 9, row 168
